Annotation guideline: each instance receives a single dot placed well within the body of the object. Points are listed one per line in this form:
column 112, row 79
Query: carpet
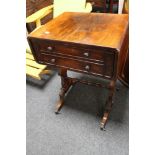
column 75, row 131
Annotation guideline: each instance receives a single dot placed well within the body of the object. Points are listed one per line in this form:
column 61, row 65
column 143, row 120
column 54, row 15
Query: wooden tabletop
column 99, row 29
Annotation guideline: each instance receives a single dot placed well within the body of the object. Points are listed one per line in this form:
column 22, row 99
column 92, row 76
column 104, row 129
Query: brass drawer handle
column 53, row 60
column 86, row 54
column 87, row 67
column 50, row 48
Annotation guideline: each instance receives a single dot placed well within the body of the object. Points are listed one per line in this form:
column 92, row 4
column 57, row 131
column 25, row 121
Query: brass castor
column 57, row 112
column 102, row 126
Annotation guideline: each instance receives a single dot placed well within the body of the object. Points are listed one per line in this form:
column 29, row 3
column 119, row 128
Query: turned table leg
column 66, row 82
column 108, row 105
column 65, row 85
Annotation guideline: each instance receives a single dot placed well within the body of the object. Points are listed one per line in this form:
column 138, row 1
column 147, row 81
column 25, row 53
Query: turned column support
column 108, row 105
column 65, row 85
column 67, row 82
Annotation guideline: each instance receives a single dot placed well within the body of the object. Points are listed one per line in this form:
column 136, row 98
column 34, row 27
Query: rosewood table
column 89, row 43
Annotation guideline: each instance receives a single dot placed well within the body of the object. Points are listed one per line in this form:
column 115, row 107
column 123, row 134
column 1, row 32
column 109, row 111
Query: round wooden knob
column 87, row 67
column 53, row 60
column 86, row 54
column 50, row 48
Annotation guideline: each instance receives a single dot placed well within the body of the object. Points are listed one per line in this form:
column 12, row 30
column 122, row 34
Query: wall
column 34, row 5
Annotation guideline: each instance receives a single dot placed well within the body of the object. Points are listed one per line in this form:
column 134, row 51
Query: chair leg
column 104, row 6
column 65, row 83
column 111, row 6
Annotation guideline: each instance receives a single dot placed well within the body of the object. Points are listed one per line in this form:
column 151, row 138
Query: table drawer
column 76, row 65
column 45, row 46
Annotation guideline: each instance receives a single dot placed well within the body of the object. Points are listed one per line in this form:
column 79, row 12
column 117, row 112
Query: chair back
column 61, row 6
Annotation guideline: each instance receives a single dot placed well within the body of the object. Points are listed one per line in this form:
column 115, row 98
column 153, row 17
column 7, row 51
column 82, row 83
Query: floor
column 75, row 131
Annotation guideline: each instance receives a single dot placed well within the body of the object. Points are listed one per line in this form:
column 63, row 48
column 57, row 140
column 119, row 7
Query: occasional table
column 89, row 43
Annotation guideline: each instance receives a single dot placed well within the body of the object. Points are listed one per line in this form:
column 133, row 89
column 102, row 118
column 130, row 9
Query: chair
column 34, row 69
column 58, row 7
column 111, row 4
column 105, row 6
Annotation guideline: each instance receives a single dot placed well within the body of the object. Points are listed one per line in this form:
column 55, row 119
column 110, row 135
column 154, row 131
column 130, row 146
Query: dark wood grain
column 124, row 57
column 90, row 43
column 33, row 6
column 124, row 70
column 98, row 29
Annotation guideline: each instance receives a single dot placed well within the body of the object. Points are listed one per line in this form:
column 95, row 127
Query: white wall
column 120, row 6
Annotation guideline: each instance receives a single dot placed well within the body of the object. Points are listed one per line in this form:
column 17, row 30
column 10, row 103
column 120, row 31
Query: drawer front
column 64, row 49
column 76, row 65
